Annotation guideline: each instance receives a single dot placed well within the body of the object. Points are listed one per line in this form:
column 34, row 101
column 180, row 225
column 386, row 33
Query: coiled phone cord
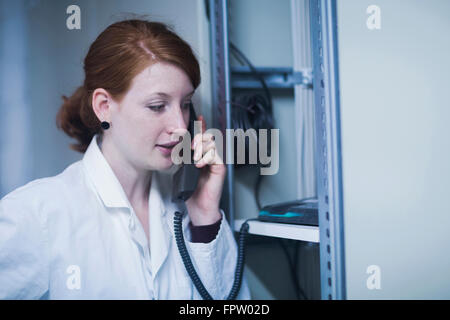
column 179, row 238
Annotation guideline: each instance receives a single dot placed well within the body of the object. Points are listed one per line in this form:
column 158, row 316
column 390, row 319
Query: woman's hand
column 203, row 205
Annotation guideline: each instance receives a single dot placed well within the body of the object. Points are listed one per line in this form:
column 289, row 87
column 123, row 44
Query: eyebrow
column 165, row 95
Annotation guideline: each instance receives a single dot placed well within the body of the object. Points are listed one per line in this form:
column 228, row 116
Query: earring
column 105, row 125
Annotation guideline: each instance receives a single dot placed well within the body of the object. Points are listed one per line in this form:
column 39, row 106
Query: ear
column 100, row 104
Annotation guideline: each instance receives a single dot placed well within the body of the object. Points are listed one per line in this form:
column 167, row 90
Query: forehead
column 163, row 78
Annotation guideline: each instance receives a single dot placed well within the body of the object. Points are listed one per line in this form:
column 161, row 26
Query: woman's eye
column 156, row 108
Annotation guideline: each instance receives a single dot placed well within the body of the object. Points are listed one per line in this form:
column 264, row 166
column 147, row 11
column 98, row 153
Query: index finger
column 202, row 119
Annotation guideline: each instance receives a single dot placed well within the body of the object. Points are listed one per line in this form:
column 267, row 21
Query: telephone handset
column 186, row 178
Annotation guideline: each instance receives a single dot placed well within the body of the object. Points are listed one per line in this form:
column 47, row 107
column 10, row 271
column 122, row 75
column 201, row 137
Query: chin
column 159, row 162
column 166, row 164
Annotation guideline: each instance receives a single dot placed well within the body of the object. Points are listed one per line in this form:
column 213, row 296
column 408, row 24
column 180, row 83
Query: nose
column 175, row 120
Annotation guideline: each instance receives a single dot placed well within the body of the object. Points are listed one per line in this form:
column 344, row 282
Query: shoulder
column 40, row 191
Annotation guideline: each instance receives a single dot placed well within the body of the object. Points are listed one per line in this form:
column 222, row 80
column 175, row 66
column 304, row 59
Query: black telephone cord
column 179, row 238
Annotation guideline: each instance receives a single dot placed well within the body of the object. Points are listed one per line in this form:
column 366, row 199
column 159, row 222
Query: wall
column 395, row 147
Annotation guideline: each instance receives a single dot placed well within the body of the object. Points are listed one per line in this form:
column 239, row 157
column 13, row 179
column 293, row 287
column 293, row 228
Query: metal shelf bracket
column 275, row 77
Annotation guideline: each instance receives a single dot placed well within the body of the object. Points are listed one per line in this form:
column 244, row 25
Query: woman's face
column 156, row 105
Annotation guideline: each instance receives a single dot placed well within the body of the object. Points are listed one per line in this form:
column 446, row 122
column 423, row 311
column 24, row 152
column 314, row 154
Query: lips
column 168, row 145
column 166, row 148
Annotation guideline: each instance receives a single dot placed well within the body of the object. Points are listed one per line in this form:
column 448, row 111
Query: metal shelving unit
column 275, row 78
column 221, row 91
column 329, row 186
column 329, row 173
column 281, row 230
column 324, row 82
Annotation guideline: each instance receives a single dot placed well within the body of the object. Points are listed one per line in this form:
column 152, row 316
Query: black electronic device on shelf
column 303, row 212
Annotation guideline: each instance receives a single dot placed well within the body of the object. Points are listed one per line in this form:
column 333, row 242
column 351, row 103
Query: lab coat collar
column 103, row 177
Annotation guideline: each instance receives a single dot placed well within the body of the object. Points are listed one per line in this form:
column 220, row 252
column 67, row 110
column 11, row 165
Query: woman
column 103, row 228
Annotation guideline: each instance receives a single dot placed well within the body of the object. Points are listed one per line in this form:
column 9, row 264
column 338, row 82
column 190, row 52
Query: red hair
column 118, row 54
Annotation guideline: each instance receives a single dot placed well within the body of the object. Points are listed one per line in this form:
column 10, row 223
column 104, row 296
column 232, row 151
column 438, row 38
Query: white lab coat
column 76, row 236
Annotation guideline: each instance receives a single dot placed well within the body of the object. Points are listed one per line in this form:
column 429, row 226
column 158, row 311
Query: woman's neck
column 135, row 183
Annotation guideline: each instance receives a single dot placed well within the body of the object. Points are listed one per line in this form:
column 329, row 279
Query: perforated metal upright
column 221, row 91
column 328, row 147
column 323, row 21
